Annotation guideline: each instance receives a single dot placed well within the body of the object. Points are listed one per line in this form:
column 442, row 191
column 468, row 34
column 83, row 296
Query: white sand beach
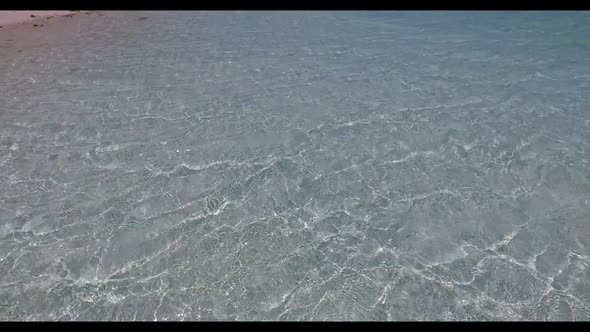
column 8, row 17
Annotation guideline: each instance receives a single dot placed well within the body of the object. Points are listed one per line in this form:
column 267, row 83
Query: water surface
column 296, row 166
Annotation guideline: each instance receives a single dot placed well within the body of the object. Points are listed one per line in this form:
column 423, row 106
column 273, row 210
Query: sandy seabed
column 295, row 166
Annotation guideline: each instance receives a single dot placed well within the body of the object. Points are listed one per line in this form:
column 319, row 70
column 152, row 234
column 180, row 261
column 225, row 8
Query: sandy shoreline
column 8, row 17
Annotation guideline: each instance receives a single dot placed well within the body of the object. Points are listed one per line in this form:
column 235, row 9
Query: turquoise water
column 296, row 166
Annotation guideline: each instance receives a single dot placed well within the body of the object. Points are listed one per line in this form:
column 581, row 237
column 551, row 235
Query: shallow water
column 296, row 166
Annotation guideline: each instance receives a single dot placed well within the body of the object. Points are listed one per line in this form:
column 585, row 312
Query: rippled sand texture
column 296, row 166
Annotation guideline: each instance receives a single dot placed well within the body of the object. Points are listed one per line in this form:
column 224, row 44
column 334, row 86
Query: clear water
column 296, row 166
